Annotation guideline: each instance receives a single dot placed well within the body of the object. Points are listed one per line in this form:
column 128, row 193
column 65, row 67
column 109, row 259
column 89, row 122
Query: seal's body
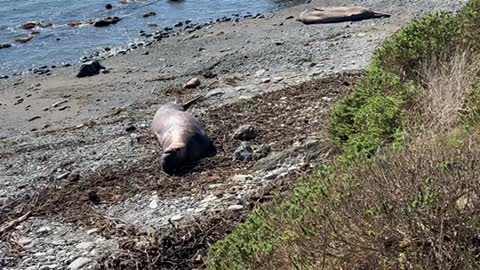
column 182, row 137
column 337, row 14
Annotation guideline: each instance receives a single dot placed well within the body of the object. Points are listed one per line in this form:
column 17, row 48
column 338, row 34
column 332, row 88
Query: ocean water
column 60, row 43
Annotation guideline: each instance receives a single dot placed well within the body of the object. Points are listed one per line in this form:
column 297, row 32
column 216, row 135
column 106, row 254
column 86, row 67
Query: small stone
column 50, row 266
column 79, row 263
column 108, row 6
column 245, row 133
column 24, row 241
column 176, row 218
column 92, row 231
column 277, row 79
column 236, row 207
column 44, row 229
column 130, row 128
column 240, row 178
column 85, row 245
column 260, row 72
column 327, row 99
column 214, row 93
column 5, row 46
column 40, row 255
column 93, row 197
column 244, row 152
column 74, row 177
column 146, row 15
column 265, row 80
column 63, row 175
column 192, row 83
column 154, row 202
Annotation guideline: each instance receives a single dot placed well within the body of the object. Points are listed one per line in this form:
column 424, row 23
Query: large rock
column 245, row 133
column 90, row 69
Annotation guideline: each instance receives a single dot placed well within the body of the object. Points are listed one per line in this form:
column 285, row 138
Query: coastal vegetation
column 404, row 193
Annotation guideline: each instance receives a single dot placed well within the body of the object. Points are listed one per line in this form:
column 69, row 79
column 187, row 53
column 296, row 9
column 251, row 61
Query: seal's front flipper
column 380, row 15
column 212, row 150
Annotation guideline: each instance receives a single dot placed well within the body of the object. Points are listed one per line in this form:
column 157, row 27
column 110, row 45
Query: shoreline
column 145, row 38
column 92, row 134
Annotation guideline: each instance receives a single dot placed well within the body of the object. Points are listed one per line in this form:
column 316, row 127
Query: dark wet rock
column 89, row 69
column 107, row 21
column 179, row 24
column 4, row 77
column 4, row 46
column 146, row 53
column 289, row 18
column 150, row 14
column 168, row 29
column 24, row 40
column 244, row 152
column 245, row 133
column 108, row 6
column 152, row 25
column 192, row 83
column 188, row 21
column 31, row 25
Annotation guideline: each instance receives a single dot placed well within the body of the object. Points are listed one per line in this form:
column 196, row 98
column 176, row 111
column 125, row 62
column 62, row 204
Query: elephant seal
column 337, row 14
column 181, row 136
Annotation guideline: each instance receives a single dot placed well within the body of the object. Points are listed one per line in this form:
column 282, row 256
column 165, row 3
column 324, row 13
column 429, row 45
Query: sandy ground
column 78, row 160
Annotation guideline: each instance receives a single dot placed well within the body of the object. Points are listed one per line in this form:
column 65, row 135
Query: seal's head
column 172, row 159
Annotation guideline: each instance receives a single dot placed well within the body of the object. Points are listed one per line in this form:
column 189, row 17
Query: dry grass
column 447, row 85
column 418, row 208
